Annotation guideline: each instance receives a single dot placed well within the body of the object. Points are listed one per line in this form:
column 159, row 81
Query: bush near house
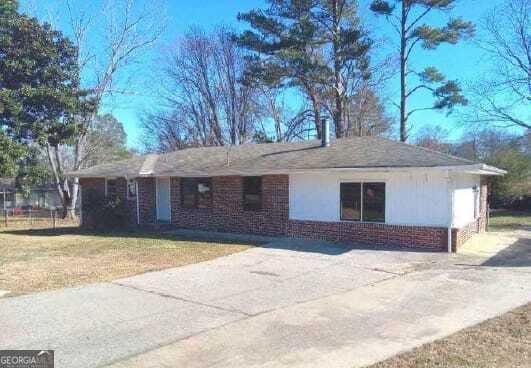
column 106, row 212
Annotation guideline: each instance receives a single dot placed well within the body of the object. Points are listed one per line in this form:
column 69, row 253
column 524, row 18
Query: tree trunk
column 338, row 80
column 403, row 71
column 317, row 114
column 73, row 200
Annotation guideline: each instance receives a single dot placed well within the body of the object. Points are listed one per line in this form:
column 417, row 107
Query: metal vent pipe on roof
column 325, row 132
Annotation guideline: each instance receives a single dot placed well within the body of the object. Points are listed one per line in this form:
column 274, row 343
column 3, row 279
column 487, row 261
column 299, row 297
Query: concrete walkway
column 289, row 304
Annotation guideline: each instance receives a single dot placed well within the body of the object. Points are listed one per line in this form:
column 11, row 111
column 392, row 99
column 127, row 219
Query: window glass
column 196, row 192
column 111, row 187
column 204, row 193
column 131, row 189
column 188, row 186
column 252, row 193
column 374, row 202
column 350, row 201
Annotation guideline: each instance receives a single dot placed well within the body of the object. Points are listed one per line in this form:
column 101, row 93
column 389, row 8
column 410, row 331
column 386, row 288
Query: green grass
column 509, row 220
column 42, row 259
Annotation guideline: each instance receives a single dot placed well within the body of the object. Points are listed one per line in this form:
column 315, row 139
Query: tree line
column 295, row 62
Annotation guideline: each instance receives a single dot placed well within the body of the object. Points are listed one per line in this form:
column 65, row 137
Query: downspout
column 80, row 194
column 451, row 210
column 137, row 203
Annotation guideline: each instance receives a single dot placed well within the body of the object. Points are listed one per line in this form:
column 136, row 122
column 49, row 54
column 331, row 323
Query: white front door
column 163, row 200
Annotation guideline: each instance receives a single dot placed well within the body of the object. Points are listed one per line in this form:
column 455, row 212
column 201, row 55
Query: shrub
column 105, row 212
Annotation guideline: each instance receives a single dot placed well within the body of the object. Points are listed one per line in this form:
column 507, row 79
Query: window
column 252, row 193
column 374, row 202
column 196, row 192
column 351, row 201
column 131, row 189
column 363, row 202
column 110, row 188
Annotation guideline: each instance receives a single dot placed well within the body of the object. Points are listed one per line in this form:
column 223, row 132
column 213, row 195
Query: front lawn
column 35, row 260
column 500, row 342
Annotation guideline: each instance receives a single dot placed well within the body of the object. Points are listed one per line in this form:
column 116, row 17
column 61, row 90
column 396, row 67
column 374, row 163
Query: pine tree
column 406, row 17
column 317, row 46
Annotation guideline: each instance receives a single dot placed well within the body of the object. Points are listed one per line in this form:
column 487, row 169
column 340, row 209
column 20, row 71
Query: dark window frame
column 248, row 206
column 195, row 182
column 362, row 200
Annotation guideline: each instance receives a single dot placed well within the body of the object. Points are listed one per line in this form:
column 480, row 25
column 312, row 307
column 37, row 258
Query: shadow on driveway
column 516, row 255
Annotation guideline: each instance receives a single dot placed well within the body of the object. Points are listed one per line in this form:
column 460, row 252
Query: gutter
column 148, row 171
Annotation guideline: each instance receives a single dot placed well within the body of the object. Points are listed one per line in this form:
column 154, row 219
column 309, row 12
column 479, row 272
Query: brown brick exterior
column 435, row 238
column 146, row 200
column 227, row 214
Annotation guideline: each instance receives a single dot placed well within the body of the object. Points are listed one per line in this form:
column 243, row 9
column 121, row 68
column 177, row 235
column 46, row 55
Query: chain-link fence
column 18, row 218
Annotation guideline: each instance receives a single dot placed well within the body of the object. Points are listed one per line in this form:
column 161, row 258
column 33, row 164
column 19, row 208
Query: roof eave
column 478, row 169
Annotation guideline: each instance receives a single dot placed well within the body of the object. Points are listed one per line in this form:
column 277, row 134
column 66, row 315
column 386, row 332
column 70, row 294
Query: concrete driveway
column 291, row 303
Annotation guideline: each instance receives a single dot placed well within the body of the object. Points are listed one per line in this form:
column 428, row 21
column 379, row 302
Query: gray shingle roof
column 7, row 183
column 359, row 152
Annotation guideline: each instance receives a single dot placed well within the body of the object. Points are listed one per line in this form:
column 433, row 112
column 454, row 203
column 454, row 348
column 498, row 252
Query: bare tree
column 433, row 138
column 365, row 114
column 287, row 124
column 130, row 28
column 503, row 99
column 204, row 98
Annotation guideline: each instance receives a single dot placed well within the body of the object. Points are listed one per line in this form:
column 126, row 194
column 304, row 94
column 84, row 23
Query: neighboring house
column 363, row 190
column 41, row 196
column 7, row 192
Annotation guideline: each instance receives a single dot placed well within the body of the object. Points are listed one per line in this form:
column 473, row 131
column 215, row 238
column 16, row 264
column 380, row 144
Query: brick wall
column 433, row 238
column 227, row 213
column 146, row 200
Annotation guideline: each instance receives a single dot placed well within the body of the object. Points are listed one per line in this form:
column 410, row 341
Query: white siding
column 411, row 198
column 465, row 199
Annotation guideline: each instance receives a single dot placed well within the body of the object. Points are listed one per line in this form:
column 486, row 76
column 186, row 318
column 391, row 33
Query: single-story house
column 365, row 190
column 39, row 197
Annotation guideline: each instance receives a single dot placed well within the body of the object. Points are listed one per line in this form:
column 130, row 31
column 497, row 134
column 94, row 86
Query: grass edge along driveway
column 38, row 260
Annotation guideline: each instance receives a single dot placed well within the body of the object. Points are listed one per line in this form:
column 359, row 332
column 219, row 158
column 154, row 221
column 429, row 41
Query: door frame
column 157, row 207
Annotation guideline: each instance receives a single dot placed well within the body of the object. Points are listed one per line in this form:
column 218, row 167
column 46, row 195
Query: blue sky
column 464, row 61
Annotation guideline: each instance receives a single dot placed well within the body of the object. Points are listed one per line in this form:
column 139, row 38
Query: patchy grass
column 509, row 220
column 36, row 260
column 500, row 342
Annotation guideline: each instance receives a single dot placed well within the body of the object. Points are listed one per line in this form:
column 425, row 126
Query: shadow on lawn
column 200, row 236
column 147, row 234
